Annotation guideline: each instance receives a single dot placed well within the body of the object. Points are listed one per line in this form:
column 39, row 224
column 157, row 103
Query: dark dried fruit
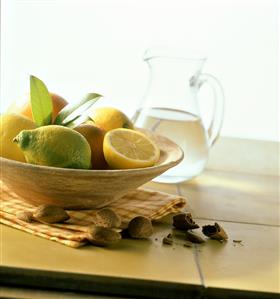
column 140, row 227
column 25, row 216
column 184, row 221
column 50, row 214
column 103, row 236
column 215, row 232
column 107, row 218
column 194, row 238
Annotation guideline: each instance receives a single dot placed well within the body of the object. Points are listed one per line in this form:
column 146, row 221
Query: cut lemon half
column 126, row 148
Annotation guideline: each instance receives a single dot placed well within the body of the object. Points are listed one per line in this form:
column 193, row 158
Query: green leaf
column 72, row 111
column 77, row 121
column 41, row 102
column 78, row 112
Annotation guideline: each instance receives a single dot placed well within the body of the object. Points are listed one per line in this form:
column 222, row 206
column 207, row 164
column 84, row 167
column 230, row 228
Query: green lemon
column 55, row 146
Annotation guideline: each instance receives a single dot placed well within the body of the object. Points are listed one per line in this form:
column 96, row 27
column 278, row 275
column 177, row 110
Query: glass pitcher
column 170, row 107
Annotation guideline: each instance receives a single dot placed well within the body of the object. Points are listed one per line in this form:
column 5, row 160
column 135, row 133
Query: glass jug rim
column 173, row 53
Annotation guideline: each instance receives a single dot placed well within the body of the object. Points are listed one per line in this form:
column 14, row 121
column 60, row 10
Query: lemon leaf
column 41, row 102
column 71, row 111
column 77, row 121
column 78, row 112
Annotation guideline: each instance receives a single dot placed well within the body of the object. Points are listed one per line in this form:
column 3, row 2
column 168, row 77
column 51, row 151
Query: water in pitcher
column 187, row 131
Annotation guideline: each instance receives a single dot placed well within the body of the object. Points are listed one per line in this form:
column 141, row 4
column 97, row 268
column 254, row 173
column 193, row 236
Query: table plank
column 252, row 265
column 168, row 188
column 129, row 259
column 20, row 293
column 245, row 155
column 236, row 197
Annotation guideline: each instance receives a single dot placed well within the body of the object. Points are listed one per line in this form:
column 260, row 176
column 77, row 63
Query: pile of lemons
column 107, row 141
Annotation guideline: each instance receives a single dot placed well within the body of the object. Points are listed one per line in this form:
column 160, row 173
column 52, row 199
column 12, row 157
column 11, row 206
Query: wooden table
column 243, row 199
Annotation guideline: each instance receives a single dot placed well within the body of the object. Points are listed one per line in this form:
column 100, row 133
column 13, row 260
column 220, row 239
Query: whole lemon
column 55, row 146
column 57, row 102
column 10, row 126
column 109, row 118
column 94, row 136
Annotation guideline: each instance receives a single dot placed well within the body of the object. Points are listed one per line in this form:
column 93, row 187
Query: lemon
column 56, row 146
column 125, row 148
column 10, row 125
column 109, row 118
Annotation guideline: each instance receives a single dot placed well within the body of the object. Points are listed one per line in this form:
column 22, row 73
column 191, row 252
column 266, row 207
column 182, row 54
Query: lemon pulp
column 125, row 148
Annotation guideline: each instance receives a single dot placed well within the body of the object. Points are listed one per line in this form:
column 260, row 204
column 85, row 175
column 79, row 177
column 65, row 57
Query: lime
column 55, row 146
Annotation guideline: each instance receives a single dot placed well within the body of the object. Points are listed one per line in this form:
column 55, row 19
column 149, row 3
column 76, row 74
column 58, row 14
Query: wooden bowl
column 83, row 189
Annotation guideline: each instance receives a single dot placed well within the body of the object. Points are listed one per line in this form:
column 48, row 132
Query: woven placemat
column 73, row 232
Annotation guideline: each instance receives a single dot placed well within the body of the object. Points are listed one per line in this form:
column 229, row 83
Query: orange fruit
column 57, row 101
column 94, row 137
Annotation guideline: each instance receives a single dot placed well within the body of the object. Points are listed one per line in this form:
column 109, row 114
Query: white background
column 83, row 46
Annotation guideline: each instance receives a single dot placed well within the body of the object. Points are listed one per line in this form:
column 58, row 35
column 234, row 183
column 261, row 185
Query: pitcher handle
column 218, row 112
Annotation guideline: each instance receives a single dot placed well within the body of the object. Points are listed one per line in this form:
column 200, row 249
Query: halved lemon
column 126, row 148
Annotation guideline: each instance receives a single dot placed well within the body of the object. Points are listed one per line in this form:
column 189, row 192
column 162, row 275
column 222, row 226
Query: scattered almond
column 107, row 218
column 215, row 232
column 194, row 238
column 103, row 236
column 50, row 214
column 237, row 241
column 188, row 244
column 140, row 227
column 25, row 216
column 184, row 221
column 168, row 240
